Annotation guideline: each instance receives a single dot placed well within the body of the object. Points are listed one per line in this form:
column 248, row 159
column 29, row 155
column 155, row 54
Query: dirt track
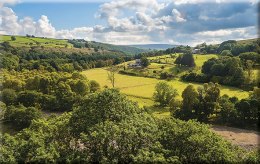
column 245, row 138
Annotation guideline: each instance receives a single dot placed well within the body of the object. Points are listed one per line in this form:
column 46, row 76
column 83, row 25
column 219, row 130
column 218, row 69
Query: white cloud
column 9, row 21
column 9, row 2
column 44, row 27
column 178, row 16
column 122, row 38
column 28, row 26
column 76, row 33
column 227, row 32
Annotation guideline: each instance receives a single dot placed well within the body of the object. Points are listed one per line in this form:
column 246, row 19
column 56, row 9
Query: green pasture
column 23, row 41
column 141, row 89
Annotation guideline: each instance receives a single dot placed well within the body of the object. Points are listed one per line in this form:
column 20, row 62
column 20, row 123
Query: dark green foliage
column 13, row 38
column 8, row 96
column 94, row 86
column 200, row 78
column 193, row 142
column 253, row 56
column 108, row 128
column 130, row 73
column 165, row 75
column 145, row 62
column 227, row 111
column 190, row 100
column 205, row 105
column 9, row 61
column 21, row 116
column 48, row 91
column 198, row 104
column 107, row 105
column 186, row 59
column 225, row 70
column 226, row 53
column 207, row 49
column 55, row 59
column 235, row 48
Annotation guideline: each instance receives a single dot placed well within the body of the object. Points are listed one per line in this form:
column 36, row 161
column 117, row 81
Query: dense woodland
column 101, row 125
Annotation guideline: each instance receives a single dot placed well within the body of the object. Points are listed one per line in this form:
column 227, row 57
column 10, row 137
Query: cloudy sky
column 187, row 22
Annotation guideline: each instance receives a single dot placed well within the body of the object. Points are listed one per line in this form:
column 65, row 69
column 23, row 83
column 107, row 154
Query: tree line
column 54, row 60
column 226, row 70
column 206, row 105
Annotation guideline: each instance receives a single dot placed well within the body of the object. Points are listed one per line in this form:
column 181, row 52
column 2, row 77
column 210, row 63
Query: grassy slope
column 143, row 88
column 26, row 41
column 23, row 41
column 140, row 89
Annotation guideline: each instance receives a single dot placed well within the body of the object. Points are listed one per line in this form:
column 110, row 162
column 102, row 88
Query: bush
column 21, row 116
column 194, row 77
column 128, row 73
column 8, row 96
column 193, row 142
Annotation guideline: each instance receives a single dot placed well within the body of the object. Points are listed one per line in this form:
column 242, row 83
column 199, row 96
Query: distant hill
column 128, row 50
column 79, row 44
column 153, row 46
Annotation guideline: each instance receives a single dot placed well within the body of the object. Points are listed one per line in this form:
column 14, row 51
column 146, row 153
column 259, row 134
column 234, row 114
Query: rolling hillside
column 25, row 41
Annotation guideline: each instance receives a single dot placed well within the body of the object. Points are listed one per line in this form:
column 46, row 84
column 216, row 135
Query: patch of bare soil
column 248, row 139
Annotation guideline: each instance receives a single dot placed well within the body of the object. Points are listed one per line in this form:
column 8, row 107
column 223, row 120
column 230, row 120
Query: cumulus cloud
column 9, row 21
column 177, row 16
column 44, row 27
column 28, row 26
column 150, row 21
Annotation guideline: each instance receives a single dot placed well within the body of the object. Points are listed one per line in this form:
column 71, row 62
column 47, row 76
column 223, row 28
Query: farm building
column 136, row 64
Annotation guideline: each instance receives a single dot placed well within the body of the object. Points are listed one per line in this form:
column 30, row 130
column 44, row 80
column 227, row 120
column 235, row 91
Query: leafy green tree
column 226, row 53
column 21, row 116
column 8, row 96
column 80, row 87
column 29, row 98
column 7, row 148
column 94, row 86
column 110, row 141
column 65, row 96
column 9, row 61
column 208, row 96
column 186, row 59
column 13, row 38
column 178, row 138
column 96, row 108
column 145, row 62
column 227, row 112
column 164, row 93
column 190, row 99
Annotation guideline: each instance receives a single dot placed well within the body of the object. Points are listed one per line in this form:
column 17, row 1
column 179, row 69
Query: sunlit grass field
column 23, row 41
column 141, row 87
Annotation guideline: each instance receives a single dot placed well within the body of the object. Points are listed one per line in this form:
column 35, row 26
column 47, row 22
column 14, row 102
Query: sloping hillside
column 30, row 41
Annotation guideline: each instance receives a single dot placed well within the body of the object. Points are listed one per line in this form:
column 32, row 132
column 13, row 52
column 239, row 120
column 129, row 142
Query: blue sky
column 187, row 22
column 62, row 15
